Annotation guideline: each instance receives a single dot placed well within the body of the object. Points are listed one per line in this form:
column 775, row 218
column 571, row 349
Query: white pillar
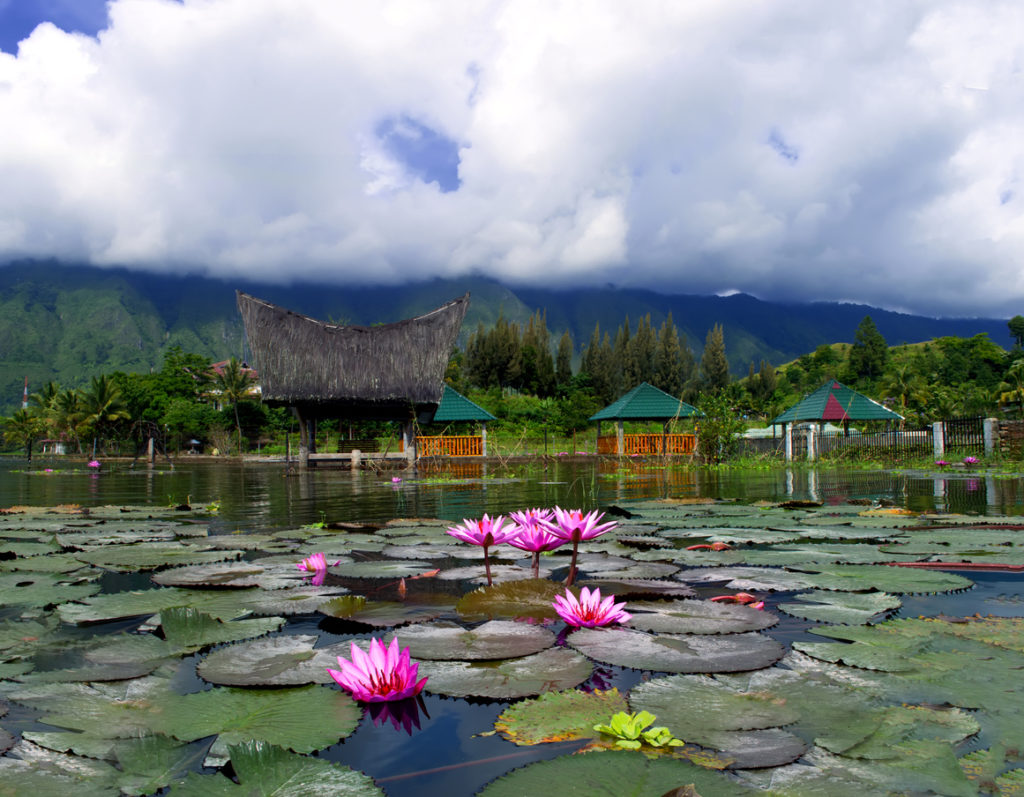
column 811, row 437
column 483, row 439
column 620, row 432
column 991, row 435
column 938, row 439
column 789, row 442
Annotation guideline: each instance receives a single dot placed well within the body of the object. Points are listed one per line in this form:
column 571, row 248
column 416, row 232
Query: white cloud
column 869, row 151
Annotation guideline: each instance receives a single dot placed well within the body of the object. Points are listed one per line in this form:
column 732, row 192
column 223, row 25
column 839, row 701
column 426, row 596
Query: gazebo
column 456, row 408
column 392, row 372
column 834, row 402
column 645, row 402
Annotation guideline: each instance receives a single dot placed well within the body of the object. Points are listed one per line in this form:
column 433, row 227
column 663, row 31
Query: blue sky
column 867, row 152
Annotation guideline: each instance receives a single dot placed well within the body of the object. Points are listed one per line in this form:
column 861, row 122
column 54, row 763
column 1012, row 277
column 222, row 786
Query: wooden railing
column 648, row 444
column 450, row 446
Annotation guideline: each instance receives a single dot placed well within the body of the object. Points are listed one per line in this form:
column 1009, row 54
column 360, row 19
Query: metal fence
column 896, row 443
column 962, row 435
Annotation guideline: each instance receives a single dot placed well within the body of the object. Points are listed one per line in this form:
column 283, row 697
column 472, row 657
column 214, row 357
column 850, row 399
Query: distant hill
column 67, row 323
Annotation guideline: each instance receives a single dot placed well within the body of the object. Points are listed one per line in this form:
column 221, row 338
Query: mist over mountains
column 68, row 322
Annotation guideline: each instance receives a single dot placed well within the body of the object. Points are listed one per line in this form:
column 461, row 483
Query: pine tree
column 714, row 367
column 869, row 353
column 668, row 360
column 639, row 364
column 563, row 360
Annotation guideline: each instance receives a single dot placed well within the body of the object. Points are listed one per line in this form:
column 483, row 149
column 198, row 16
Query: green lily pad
column 232, row 574
column 133, row 603
column 382, row 569
column 52, row 563
column 669, row 653
column 771, row 747
column 496, row 639
column 613, row 774
column 845, row 608
column 41, row 589
column 277, row 716
column 83, row 744
column 559, row 716
column 899, row 580
column 28, row 549
column 550, row 670
column 750, row 579
column 276, row 661
column 152, row 556
column 6, row 741
column 923, row 766
column 515, row 599
column 264, row 770
column 29, row 769
column 639, row 588
column 189, row 630
column 896, row 726
column 698, row 617
column 383, row 614
column 500, row 574
column 152, row 763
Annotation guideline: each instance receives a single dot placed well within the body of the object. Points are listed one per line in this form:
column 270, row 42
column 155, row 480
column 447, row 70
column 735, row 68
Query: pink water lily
column 94, row 464
column 533, row 535
column 485, row 532
column 573, row 526
column 382, row 674
column 589, row 611
column 315, row 563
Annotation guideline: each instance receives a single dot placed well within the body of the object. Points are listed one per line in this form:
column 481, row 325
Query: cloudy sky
column 867, row 151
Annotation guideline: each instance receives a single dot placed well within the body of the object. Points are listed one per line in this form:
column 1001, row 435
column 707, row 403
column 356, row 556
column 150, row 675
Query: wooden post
column 303, row 440
column 620, row 433
column 150, row 452
column 483, row 438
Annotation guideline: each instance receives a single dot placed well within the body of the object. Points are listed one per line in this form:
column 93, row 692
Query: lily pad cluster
column 108, row 612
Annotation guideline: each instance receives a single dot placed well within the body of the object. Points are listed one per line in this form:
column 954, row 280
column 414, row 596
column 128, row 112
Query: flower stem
column 572, row 564
column 536, row 564
column 487, row 566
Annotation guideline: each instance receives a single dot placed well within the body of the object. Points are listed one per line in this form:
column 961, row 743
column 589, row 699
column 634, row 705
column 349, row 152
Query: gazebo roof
column 646, row 403
column 456, row 407
column 834, row 401
column 327, row 370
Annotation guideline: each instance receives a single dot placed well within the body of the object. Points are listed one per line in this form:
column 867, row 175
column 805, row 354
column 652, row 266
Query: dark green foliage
column 869, row 353
column 563, row 360
column 1016, row 326
column 714, row 367
column 718, row 430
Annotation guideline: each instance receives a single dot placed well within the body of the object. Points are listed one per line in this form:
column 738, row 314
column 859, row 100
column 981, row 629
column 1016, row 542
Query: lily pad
column 614, row 774
column 382, row 569
column 698, row 617
column 231, row 574
column 29, row 769
column 515, row 599
column 496, row 639
column 189, row 630
column 559, row 716
column 772, row 747
column 41, row 589
column 897, row 725
column 756, row 579
column 152, row 763
column 899, row 580
column 152, row 556
column 276, row 661
column 846, row 608
column 278, row 716
column 264, row 769
column 550, row 670
column 668, row 653
column 500, row 574
column 383, row 614
column 639, row 588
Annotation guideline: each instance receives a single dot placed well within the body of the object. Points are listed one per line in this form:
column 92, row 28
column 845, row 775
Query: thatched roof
column 326, row 369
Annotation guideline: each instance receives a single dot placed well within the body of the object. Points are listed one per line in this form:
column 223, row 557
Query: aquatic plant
column 383, row 674
column 315, row 563
column 628, row 731
column 969, row 461
column 589, row 611
column 744, row 598
column 533, row 535
column 573, row 526
column 93, row 464
column 485, row 532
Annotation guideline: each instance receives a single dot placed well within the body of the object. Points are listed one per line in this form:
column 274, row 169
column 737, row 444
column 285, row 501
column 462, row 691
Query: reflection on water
column 261, row 496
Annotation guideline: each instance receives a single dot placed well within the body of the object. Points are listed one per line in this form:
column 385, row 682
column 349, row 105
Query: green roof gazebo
column 456, row 408
column 832, row 402
column 645, row 402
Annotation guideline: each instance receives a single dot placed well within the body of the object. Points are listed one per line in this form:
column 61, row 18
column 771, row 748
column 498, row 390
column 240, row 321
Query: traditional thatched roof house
column 321, row 370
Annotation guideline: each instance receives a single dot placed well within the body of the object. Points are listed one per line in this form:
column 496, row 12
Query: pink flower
column 396, row 479
column 744, row 598
column 573, row 526
column 486, row 531
column 534, row 535
column 382, row 674
column 94, row 464
column 315, row 563
column 589, row 611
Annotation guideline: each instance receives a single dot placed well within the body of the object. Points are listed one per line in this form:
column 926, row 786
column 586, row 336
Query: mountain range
column 67, row 322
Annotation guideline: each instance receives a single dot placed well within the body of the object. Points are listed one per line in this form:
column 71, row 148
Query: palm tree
column 21, row 429
column 904, row 383
column 67, row 415
column 234, row 383
column 101, row 407
column 1012, row 388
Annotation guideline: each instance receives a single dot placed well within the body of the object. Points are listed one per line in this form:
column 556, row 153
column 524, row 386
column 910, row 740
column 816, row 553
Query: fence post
column 938, row 439
column 991, row 435
column 483, row 440
column 811, row 434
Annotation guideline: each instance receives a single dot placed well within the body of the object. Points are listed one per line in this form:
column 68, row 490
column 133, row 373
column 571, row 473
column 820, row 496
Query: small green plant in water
column 628, row 731
column 321, row 523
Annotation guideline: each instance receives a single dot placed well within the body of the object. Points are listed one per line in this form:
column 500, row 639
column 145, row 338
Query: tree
column 101, row 406
column 22, row 429
column 563, row 360
column 670, row 372
column 714, row 366
column 869, row 353
column 1011, row 390
column 234, row 382
column 640, row 353
column 718, row 431
column 1016, row 326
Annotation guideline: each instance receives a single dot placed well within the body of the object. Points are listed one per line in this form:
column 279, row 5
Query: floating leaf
column 698, row 617
column 41, row 589
column 666, row 653
column 751, row 579
column 29, row 769
column 277, row 661
column 771, row 747
column 550, row 670
column 189, row 630
column 559, row 716
column 232, row 574
column 515, row 599
column 920, row 767
column 151, row 556
column 283, row 717
column 612, row 774
column 152, row 763
column 500, row 574
column 847, row 608
column 638, row 588
column 496, row 639
column 900, row 580
column 382, row 569
column 898, row 725
column 264, row 769
column 383, row 614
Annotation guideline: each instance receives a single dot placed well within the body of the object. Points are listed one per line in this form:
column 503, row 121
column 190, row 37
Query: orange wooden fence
column 648, row 444
column 450, row 446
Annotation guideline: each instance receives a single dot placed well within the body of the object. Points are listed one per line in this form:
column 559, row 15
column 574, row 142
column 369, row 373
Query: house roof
column 646, row 403
column 456, row 407
column 328, row 370
column 834, row 401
